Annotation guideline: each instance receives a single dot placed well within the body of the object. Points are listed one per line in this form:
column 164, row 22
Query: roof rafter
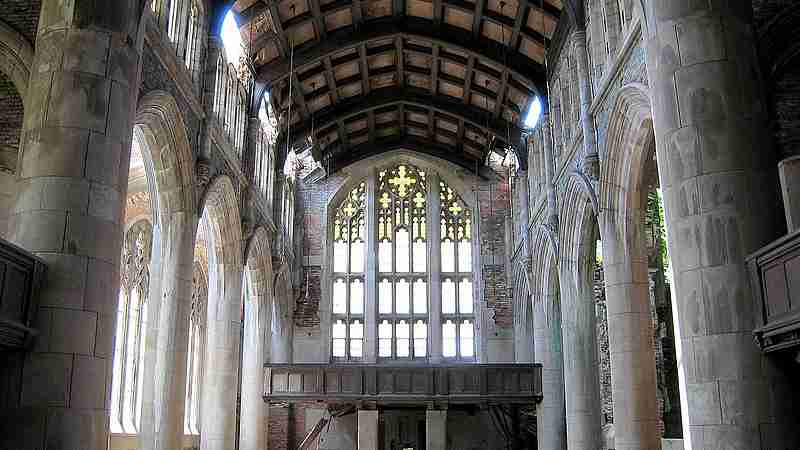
column 521, row 67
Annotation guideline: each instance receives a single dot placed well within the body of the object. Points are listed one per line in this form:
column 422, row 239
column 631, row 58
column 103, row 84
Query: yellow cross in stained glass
column 402, row 181
column 455, row 209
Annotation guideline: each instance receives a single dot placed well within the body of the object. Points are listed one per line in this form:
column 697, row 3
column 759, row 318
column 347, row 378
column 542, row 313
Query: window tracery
column 402, row 259
column 458, row 311
column 349, row 237
column 129, row 345
column 195, row 351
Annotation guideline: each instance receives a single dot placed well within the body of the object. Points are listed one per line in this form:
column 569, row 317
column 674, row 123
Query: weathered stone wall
column 603, row 353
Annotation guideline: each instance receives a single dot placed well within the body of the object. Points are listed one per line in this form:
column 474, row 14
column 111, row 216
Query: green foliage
column 655, row 222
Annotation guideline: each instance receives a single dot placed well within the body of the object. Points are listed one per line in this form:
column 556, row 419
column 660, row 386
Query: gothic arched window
column 402, row 263
column 195, row 351
column 349, row 237
column 458, row 309
column 409, row 290
column 129, row 346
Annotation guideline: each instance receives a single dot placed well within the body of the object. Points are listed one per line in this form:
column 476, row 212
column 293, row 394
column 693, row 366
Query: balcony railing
column 465, row 383
column 21, row 273
column 775, row 277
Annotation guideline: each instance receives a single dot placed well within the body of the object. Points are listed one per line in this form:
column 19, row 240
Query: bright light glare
column 231, row 39
column 534, row 112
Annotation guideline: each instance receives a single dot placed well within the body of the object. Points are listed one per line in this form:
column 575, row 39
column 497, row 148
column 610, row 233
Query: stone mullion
column 370, row 345
column 714, row 162
column 72, row 182
column 434, row 233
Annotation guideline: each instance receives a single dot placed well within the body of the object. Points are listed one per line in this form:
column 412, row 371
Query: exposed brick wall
column 493, row 199
column 278, row 434
column 23, row 16
column 11, row 115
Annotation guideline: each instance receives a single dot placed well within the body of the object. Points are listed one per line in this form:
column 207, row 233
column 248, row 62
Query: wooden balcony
column 775, row 277
column 392, row 384
column 21, row 273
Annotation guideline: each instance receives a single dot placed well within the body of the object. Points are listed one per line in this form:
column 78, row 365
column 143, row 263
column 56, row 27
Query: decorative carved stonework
column 203, row 173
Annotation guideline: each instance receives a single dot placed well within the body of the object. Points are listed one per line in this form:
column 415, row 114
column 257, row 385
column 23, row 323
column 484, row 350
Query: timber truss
column 452, row 78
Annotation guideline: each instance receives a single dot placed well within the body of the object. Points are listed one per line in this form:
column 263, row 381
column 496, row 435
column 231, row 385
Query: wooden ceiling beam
column 468, row 80
column 357, row 13
column 477, row 18
column 319, row 20
column 400, row 61
column 414, row 98
column 523, row 68
column 364, row 65
column 435, row 70
column 330, row 79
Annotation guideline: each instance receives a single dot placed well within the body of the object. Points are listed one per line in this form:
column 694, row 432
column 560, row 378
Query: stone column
column 716, row 168
column 551, row 431
column 435, row 270
column 436, row 429
column 72, row 182
column 633, row 370
column 581, row 376
column 368, row 431
column 370, row 275
column 163, row 408
column 590, row 158
column 254, row 410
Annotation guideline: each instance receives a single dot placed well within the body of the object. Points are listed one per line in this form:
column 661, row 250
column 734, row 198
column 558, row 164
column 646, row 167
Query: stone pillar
column 72, row 182
column 590, row 158
column 436, row 429
column 368, row 431
column 370, row 274
column 789, row 171
column 163, row 408
column 254, row 410
column 581, row 376
column 434, row 269
column 714, row 164
column 221, row 367
column 551, row 431
column 633, row 370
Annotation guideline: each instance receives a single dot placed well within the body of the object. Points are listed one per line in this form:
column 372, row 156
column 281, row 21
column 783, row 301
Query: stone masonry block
column 46, row 379
column 54, row 152
column 79, row 100
column 66, row 281
column 73, row 331
column 88, row 383
column 38, row 231
column 77, row 429
column 102, row 287
column 52, row 193
column 93, row 237
column 86, row 51
column 701, row 40
column 103, row 160
column 704, row 406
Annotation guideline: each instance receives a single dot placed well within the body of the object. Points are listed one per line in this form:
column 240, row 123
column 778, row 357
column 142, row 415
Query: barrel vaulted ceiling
column 444, row 77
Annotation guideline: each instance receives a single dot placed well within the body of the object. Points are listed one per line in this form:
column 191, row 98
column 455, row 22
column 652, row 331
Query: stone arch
column 544, row 285
column 16, row 58
column 221, row 226
column 630, row 142
column 577, row 238
column 258, row 257
column 167, row 159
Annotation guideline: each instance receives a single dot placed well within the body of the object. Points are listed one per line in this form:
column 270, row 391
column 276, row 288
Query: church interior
column 399, row 225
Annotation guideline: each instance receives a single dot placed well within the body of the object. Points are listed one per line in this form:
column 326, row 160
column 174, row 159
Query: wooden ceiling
column 436, row 76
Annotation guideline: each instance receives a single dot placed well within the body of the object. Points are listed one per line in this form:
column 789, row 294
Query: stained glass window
column 402, row 262
column 457, row 291
column 347, row 305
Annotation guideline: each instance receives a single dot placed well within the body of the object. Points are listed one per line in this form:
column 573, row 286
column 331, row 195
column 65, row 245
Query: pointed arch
column 16, row 58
